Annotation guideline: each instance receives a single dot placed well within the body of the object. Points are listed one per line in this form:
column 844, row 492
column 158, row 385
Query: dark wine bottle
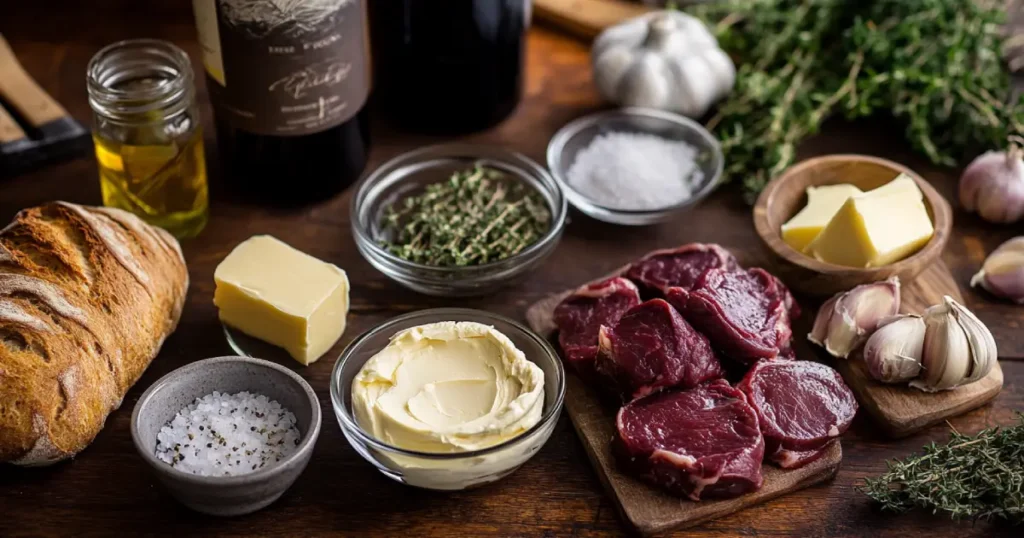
column 288, row 82
column 449, row 66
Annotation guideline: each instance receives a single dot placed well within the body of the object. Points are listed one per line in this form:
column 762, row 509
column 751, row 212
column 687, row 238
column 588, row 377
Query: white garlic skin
column 958, row 348
column 993, row 185
column 846, row 320
column 1002, row 274
column 893, row 353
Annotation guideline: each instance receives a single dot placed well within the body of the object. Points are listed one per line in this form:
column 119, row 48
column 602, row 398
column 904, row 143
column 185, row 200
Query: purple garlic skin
column 1002, row 274
column 993, row 185
column 893, row 353
column 846, row 321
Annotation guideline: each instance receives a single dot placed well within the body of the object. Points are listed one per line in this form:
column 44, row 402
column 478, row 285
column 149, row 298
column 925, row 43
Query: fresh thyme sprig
column 979, row 477
column 934, row 65
column 474, row 217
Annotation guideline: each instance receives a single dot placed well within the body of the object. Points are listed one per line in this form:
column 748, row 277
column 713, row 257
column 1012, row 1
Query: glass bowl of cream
column 448, row 398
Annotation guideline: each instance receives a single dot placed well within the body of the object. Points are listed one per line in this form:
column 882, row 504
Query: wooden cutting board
column 898, row 409
column 586, row 18
column 647, row 509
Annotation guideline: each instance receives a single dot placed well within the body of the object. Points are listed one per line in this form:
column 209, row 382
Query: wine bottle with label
column 288, row 82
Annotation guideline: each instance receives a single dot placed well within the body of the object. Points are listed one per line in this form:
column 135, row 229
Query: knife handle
column 20, row 91
column 9, row 129
column 586, row 18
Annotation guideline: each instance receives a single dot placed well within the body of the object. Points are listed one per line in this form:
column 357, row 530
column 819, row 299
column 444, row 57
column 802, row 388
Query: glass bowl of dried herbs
column 457, row 219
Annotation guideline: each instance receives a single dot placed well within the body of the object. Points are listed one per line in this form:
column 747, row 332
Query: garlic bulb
column 665, row 59
column 993, row 185
column 845, row 321
column 958, row 348
column 1002, row 274
column 893, row 353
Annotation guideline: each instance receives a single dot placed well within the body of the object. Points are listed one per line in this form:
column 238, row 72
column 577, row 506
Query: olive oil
column 149, row 144
column 164, row 184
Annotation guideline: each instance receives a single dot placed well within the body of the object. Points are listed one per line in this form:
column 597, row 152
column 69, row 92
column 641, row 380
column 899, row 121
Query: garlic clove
column 984, row 353
column 819, row 331
column 946, row 355
column 1002, row 274
column 854, row 315
column 893, row 353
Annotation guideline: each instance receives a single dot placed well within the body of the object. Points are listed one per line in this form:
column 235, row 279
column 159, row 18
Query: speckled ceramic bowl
column 228, row 495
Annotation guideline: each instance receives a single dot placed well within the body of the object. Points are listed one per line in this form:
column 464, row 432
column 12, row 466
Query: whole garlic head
column 665, row 59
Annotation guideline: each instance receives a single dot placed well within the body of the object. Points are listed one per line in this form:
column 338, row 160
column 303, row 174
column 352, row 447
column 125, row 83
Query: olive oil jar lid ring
column 128, row 80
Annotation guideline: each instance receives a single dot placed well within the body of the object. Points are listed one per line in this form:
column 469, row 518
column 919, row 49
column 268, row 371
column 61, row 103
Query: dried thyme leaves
column 979, row 477
column 476, row 216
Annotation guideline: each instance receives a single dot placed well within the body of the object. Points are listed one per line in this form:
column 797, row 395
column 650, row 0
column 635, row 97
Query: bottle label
column 284, row 67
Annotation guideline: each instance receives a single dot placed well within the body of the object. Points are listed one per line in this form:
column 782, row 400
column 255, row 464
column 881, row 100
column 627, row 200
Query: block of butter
column 278, row 294
column 876, row 228
column 822, row 204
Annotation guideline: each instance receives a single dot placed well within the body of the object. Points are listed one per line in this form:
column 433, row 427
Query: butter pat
column 877, row 228
column 822, row 204
column 273, row 292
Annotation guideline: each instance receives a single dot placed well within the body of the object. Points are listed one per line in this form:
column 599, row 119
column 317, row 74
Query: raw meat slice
column 580, row 315
column 794, row 459
column 679, row 267
column 801, row 407
column 792, row 308
column 743, row 313
column 651, row 348
column 700, row 443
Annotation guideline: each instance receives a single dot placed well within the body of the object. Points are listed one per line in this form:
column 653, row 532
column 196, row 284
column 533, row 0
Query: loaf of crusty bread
column 87, row 296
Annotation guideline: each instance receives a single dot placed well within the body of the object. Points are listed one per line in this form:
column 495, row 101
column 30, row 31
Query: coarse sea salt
column 635, row 171
column 228, row 434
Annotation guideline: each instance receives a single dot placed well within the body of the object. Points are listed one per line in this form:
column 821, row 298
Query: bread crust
column 87, row 297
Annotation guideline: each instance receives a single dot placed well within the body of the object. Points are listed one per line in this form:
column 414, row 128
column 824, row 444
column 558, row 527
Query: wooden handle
column 21, row 92
column 586, row 18
column 9, row 129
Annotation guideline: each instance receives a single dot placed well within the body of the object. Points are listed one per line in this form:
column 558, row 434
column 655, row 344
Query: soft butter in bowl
column 448, row 398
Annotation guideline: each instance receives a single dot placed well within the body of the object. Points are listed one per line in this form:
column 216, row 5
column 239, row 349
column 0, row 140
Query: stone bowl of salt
column 227, row 436
column 635, row 166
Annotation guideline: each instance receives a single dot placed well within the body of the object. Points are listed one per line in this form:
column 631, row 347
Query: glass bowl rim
column 556, row 148
column 350, row 425
column 386, row 169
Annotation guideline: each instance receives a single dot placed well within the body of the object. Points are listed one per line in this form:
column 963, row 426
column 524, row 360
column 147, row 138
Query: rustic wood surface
column 107, row 490
column 647, row 509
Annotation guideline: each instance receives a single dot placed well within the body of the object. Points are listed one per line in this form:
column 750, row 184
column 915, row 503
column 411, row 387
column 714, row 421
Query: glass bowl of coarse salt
column 635, row 166
column 227, row 436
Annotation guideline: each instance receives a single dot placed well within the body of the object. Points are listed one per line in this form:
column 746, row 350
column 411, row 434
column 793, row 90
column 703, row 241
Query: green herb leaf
column 979, row 477
column 932, row 64
column 474, row 217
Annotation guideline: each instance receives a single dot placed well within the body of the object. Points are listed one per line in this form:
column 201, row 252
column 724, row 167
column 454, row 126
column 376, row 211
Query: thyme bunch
column 474, row 217
column 977, row 477
column 933, row 65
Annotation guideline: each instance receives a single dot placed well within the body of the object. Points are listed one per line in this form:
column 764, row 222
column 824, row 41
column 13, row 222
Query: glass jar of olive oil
column 149, row 143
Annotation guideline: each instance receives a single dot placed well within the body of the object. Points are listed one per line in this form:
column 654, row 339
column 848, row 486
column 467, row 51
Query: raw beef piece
column 700, row 443
column 679, row 267
column 792, row 308
column 652, row 347
column 580, row 315
column 743, row 313
column 802, row 407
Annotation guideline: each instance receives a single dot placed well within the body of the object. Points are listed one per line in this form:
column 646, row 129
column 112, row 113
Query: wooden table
column 108, row 489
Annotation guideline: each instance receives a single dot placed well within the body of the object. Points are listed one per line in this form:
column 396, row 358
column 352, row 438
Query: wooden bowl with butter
column 786, row 195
